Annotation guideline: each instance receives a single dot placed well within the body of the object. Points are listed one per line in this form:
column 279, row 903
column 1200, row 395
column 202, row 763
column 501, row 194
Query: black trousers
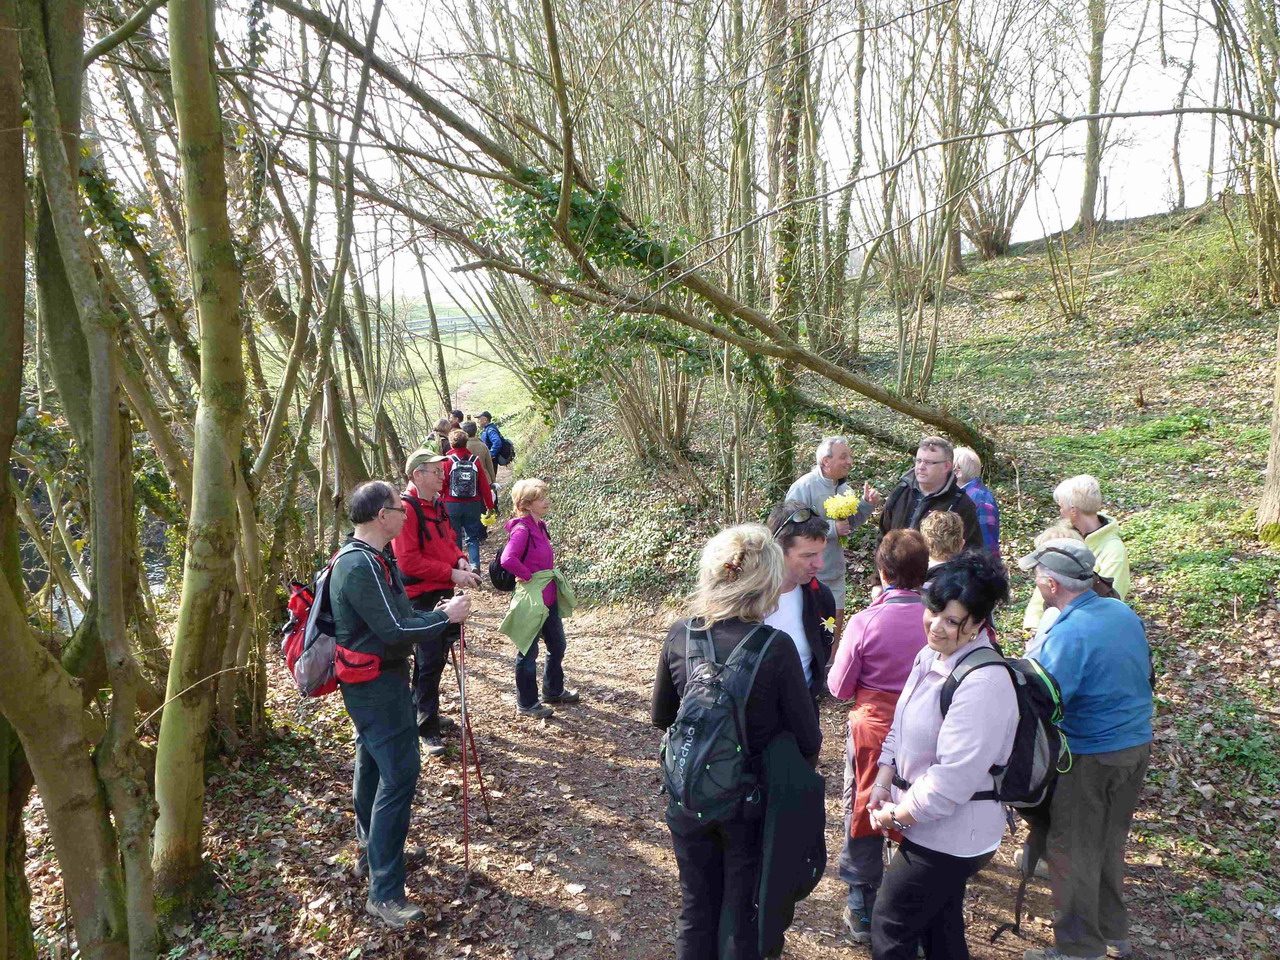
column 719, row 876
column 921, row 902
column 429, row 659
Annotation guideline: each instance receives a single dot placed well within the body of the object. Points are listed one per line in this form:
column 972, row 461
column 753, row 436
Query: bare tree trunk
column 1268, row 521
column 1093, row 136
column 16, row 940
column 212, row 535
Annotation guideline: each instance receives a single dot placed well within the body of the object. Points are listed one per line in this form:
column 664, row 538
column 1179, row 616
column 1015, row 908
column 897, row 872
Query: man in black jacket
column 930, row 486
column 376, row 629
column 806, row 608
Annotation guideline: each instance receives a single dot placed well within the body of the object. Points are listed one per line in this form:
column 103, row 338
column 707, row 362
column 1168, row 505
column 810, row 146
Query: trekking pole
column 460, row 671
column 471, row 736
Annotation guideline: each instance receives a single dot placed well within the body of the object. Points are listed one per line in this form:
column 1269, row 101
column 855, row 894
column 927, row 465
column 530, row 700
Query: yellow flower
column 829, row 624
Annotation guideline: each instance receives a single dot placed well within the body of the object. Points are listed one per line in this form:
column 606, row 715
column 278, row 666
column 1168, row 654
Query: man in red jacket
column 432, row 565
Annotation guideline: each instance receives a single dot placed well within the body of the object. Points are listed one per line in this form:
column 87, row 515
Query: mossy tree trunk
column 82, row 788
column 208, row 584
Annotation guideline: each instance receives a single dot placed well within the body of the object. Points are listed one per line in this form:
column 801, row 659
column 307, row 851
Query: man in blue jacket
column 1097, row 651
column 490, row 434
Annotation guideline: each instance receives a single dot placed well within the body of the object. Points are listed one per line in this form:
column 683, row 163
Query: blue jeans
column 465, row 519
column 386, row 774
column 553, row 672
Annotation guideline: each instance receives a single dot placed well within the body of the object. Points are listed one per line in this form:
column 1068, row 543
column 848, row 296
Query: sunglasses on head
column 800, row 516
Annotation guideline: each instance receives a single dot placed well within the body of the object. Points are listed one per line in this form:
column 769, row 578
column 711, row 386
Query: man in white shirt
column 806, row 609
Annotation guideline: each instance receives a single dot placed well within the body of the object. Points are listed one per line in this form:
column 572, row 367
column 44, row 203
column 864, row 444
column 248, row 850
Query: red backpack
column 310, row 646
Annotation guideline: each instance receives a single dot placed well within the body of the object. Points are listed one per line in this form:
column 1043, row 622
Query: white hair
column 967, row 463
column 1081, row 492
column 1070, row 583
column 827, row 446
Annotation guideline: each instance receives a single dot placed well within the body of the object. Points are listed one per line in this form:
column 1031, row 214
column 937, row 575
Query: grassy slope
column 1162, row 390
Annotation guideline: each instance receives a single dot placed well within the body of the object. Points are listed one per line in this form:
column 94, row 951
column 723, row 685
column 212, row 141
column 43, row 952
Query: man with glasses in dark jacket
column 928, row 487
column 377, row 629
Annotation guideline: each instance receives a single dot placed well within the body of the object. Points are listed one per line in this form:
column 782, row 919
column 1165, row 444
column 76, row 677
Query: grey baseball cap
column 1071, row 558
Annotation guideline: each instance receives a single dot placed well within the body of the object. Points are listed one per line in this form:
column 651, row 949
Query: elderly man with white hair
column 1079, row 502
column 1097, row 651
column 968, row 471
column 829, row 476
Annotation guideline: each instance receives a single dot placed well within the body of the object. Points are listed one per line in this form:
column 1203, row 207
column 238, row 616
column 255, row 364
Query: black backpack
column 502, row 578
column 704, row 752
column 464, row 477
column 506, row 453
column 1040, row 751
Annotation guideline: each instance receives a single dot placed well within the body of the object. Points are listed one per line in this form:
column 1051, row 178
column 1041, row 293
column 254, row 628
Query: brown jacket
column 476, row 446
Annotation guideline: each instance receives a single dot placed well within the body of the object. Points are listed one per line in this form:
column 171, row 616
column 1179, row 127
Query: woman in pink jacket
column 934, row 786
column 872, row 664
column 527, row 552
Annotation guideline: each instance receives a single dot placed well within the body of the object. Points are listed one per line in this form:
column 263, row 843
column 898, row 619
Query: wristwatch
column 897, row 824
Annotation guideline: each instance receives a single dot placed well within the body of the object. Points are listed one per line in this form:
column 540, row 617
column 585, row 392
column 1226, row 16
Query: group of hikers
column 933, row 738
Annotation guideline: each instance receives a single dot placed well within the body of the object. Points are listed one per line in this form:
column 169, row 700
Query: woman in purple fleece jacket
column 527, row 552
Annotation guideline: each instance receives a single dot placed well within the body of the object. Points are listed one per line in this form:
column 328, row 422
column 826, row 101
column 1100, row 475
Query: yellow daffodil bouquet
column 841, row 507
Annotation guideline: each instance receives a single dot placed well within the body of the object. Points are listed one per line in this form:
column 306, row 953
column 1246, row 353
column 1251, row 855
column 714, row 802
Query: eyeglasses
column 922, row 462
column 401, row 509
column 800, row 516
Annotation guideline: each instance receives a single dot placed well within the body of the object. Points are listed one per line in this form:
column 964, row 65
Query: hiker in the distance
column 491, row 436
column 968, row 471
column 1079, row 501
column 467, row 495
column 432, row 566
column 832, row 461
column 931, row 766
column 439, row 438
column 739, row 578
column 930, row 485
column 377, row 629
column 543, row 598
column 1097, row 651
column 871, row 667
column 477, row 447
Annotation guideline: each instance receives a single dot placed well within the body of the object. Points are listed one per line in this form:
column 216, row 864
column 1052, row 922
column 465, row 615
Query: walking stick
column 460, row 671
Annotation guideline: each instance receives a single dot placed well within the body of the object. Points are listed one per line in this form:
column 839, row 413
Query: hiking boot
column 565, row 696
column 1052, row 953
column 361, row 867
column 539, row 711
column 396, row 914
column 858, row 928
column 1119, row 949
column 447, row 725
column 433, row 745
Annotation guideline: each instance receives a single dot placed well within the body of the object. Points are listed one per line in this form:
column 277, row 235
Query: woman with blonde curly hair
column 740, row 576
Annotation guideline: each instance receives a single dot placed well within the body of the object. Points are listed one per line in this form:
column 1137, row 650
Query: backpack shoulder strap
column 697, row 644
column 741, row 668
column 973, row 660
column 421, row 516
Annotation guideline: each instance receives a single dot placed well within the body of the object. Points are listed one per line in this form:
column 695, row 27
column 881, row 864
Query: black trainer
column 565, row 696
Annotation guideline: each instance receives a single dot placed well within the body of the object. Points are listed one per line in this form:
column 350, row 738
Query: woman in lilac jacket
column 527, row 552
column 875, row 656
column 931, row 767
